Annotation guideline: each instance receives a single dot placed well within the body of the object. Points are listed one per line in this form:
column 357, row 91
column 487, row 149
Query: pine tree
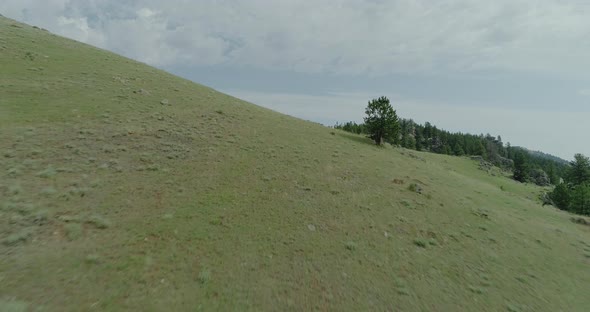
column 479, row 149
column 427, row 130
column 418, row 140
column 521, row 167
column 408, row 141
column 447, row 150
column 579, row 173
column 552, row 175
column 580, row 199
column 381, row 121
column 459, row 150
column 561, row 196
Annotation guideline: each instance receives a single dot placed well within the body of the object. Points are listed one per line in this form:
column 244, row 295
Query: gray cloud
column 512, row 67
column 347, row 37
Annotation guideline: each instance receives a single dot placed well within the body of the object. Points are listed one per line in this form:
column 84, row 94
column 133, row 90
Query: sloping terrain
column 123, row 187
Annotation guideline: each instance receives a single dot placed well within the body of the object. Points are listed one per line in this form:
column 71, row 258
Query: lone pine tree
column 381, row 122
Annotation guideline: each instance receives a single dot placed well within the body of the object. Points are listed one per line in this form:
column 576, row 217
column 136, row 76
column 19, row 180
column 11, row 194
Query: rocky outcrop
column 540, row 177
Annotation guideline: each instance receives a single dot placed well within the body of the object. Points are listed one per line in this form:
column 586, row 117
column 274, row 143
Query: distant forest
column 528, row 166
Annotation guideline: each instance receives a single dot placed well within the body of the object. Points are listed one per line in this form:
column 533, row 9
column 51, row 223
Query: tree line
column 573, row 194
column 382, row 125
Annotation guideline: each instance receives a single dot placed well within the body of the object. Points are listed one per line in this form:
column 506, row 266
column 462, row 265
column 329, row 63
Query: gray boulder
column 540, row 177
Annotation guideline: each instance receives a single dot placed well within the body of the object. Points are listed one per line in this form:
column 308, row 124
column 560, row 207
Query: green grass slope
column 111, row 200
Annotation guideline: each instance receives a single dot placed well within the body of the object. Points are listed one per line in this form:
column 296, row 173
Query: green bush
column 73, row 231
column 420, row 243
column 99, row 222
column 18, row 237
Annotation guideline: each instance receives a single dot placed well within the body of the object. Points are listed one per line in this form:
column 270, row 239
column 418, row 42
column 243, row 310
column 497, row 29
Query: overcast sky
column 515, row 68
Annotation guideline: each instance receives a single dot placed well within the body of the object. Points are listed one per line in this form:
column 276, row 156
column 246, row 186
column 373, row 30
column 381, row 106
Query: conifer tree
column 579, row 173
column 381, row 122
column 521, row 166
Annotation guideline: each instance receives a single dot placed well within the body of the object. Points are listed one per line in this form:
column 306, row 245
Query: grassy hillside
column 123, row 187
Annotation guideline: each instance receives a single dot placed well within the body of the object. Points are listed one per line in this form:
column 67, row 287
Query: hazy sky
column 517, row 68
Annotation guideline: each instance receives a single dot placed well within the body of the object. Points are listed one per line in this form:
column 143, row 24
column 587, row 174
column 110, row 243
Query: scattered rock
column 415, row 187
column 485, row 166
column 41, row 217
column 504, row 162
column 580, row 220
column 30, row 56
column 546, row 199
column 540, row 177
column 143, row 92
column 481, row 213
column 398, row 181
column 350, row 245
column 495, row 160
column 311, row 227
column 412, row 155
column 476, row 158
column 68, row 218
column 420, row 243
column 165, row 102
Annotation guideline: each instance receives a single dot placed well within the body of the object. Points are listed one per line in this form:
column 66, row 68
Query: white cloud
column 347, row 36
column 546, row 39
column 145, row 13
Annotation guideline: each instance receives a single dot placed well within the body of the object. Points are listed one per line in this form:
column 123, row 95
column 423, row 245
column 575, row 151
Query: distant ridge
column 543, row 155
